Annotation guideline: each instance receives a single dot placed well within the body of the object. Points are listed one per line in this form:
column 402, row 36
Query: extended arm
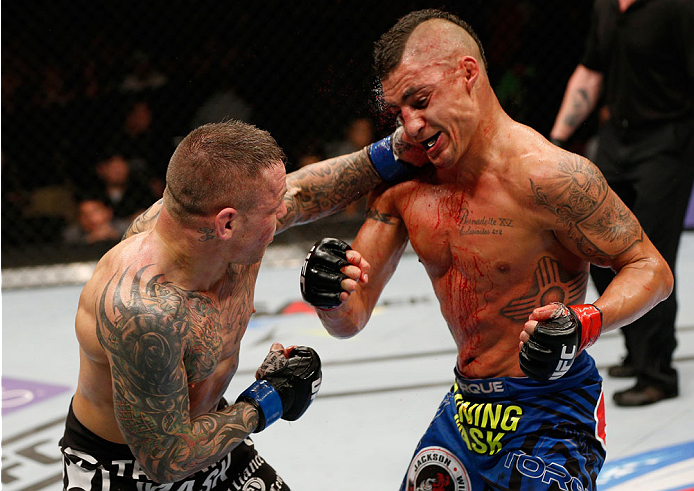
column 581, row 96
column 326, row 187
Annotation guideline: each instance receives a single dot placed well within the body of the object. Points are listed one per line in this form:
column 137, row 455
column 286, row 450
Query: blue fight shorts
column 516, row 434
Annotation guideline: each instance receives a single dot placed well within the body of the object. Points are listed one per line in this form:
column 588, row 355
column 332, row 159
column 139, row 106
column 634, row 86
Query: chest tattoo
column 551, row 283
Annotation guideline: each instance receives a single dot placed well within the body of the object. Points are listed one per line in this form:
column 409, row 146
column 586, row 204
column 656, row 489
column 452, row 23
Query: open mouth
column 429, row 143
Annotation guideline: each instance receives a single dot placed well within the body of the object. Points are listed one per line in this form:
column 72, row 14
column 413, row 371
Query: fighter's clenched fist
column 554, row 336
column 331, row 272
column 287, row 383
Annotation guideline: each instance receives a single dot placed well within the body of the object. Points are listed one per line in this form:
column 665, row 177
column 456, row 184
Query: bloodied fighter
column 506, row 226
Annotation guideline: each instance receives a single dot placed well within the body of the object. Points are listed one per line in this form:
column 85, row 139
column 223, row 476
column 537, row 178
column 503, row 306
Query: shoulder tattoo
column 161, row 339
column 144, row 221
column 598, row 222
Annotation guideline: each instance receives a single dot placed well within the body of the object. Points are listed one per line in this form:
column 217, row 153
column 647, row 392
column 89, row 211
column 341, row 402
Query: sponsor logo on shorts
column 535, row 468
column 496, row 387
column 254, row 484
column 483, row 425
column 437, row 469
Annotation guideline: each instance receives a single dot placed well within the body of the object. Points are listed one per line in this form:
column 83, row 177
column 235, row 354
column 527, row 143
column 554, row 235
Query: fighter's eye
column 420, row 103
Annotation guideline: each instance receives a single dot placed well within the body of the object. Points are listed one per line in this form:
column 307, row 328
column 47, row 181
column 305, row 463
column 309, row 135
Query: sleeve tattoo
column 320, row 189
column 148, row 330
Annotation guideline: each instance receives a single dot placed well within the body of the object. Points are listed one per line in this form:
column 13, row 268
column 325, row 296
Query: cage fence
column 97, row 94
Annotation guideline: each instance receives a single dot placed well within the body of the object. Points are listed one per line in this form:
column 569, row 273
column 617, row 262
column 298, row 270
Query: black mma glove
column 555, row 344
column 286, row 386
column 321, row 277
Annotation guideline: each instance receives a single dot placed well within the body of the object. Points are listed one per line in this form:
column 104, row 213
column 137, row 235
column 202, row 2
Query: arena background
column 83, row 82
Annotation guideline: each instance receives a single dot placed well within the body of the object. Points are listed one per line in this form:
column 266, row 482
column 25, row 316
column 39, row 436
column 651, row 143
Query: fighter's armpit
column 595, row 220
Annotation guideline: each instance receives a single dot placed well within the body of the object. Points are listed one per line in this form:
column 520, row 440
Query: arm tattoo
column 374, row 214
column 552, row 283
column 581, row 108
column 160, row 338
column 145, row 221
column 320, row 189
column 582, row 201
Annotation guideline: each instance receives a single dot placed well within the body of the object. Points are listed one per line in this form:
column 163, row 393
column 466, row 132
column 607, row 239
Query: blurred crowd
column 95, row 98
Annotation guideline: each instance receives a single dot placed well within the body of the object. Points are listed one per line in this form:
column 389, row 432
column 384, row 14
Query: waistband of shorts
column 79, row 437
column 519, row 387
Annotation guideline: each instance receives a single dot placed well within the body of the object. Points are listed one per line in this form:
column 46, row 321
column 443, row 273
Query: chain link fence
column 97, row 94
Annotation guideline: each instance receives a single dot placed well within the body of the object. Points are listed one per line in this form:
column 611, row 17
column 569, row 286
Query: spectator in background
column 357, row 135
column 142, row 146
column 120, row 188
column 224, row 104
column 639, row 56
column 143, row 75
column 95, row 223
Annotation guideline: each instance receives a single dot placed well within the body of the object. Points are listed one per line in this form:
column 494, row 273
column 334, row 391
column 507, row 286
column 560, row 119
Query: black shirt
column 646, row 55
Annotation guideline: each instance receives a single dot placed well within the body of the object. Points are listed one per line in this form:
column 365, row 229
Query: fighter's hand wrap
column 321, row 277
column 555, row 344
column 387, row 163
column 286, row 387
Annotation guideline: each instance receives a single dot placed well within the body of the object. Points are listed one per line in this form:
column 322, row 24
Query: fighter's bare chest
column 212, row 327
column 447, row 227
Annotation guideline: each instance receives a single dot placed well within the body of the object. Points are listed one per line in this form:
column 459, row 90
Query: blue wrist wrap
column 267, row 398
column 388, row 167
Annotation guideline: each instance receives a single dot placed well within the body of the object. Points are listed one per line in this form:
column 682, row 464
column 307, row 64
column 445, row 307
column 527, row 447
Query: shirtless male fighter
column 506, row 226
column 161, row 320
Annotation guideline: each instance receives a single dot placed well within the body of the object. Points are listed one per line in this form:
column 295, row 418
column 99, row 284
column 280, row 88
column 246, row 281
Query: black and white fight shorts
column 91, row 463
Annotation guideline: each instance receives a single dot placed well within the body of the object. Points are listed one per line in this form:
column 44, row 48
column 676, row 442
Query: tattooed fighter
column 506, row 226
column 161, row 320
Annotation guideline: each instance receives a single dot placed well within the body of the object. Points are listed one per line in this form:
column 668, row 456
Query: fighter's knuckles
column 349, row 285
column 352, row 272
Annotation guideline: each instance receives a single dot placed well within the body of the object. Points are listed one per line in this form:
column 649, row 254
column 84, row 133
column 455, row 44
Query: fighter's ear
column 224, row 223
column 470, row 69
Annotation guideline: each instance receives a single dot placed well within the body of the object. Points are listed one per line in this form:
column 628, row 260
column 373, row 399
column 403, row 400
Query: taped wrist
column 590, row 318
column 263, row 396
column 383, row 159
